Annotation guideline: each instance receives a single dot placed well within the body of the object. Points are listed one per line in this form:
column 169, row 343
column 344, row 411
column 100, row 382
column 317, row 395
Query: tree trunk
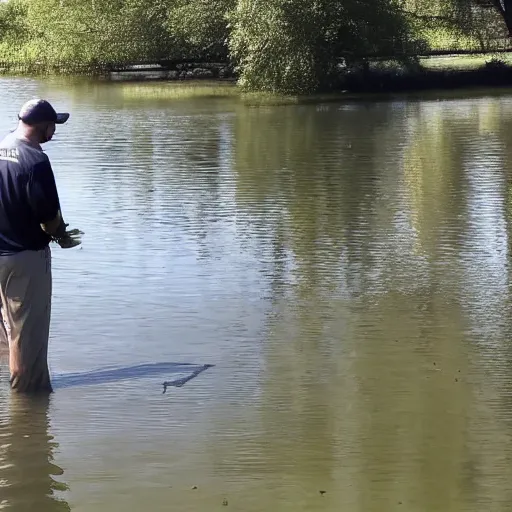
column 504, row 7
column 507, row 15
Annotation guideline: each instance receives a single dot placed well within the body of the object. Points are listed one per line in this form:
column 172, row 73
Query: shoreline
column 370, row 85
column 373, row 82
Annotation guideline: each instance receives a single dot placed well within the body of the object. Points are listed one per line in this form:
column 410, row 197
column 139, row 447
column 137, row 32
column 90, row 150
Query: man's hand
column 56, row 227
column 68, row 242
column 70, row 239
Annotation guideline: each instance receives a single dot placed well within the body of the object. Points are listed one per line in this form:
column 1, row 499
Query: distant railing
column 477, row 46
column 182, row 68
column 185, row 67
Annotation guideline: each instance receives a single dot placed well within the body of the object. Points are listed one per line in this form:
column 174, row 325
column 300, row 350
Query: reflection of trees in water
column 303, row 187
column 321, row 197
column 193, row 166
column 433, row 170
column 27, row 474
column 360, row 218
column 313, row 177
column 411, row 413
column 343, row 199
column 491, row 289
column 497, row 125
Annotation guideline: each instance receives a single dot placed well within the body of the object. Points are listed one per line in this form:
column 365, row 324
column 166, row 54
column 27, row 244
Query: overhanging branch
column 499, row 6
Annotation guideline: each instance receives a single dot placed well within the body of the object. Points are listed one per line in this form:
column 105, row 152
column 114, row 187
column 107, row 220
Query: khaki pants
column 25, row 309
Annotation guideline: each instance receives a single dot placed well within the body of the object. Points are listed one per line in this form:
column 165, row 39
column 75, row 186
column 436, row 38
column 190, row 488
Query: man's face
column 49, row 133
column 45, row 132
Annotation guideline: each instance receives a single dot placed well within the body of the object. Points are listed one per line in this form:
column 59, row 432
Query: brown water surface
column 345, row 267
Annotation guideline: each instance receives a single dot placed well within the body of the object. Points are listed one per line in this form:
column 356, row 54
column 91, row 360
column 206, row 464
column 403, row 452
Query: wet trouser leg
column 25, row 307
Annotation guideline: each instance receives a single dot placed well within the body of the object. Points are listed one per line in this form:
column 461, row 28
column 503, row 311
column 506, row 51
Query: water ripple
column 346, row 269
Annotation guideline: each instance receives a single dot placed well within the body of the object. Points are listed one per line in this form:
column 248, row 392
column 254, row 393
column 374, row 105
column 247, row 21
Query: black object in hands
column 69, row 239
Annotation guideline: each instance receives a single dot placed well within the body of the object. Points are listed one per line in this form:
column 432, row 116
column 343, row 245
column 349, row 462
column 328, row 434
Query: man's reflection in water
column 26, row 455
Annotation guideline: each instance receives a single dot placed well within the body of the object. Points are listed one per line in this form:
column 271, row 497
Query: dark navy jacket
column 28, row 196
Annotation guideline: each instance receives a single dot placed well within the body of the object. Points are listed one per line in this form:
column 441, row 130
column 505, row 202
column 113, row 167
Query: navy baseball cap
column 40, row 111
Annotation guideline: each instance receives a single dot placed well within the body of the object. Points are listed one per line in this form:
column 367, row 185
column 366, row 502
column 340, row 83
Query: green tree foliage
column 84, row 32
column 502, row 7
column 13, row 21
column 199, row 27
column 296, row 45
column 460, row 23
column 287, row 46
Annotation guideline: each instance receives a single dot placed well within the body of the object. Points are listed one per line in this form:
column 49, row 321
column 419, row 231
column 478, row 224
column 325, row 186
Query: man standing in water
column 30, row 218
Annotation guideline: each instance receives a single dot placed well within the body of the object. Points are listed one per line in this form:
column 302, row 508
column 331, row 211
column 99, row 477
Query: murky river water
column 345, row 267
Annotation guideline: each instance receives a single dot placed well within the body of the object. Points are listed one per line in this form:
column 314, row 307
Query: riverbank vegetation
column 284, row 46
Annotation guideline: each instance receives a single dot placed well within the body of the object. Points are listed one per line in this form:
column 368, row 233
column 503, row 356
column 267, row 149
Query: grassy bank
column 177, row 91
column 461, row 77
column 445, row 73
column 211, row 90
column 433, row 73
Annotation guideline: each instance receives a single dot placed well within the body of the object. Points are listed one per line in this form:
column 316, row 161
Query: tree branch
column 499, row 7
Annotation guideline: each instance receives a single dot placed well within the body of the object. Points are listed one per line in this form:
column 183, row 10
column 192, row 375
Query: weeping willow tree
column 14, row 30
column 82, row 32
column 89, row 31
column 295, row 46
column 200, row 27
column 286, row 46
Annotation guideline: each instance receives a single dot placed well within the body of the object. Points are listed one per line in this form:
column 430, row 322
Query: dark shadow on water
column 186, row 371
